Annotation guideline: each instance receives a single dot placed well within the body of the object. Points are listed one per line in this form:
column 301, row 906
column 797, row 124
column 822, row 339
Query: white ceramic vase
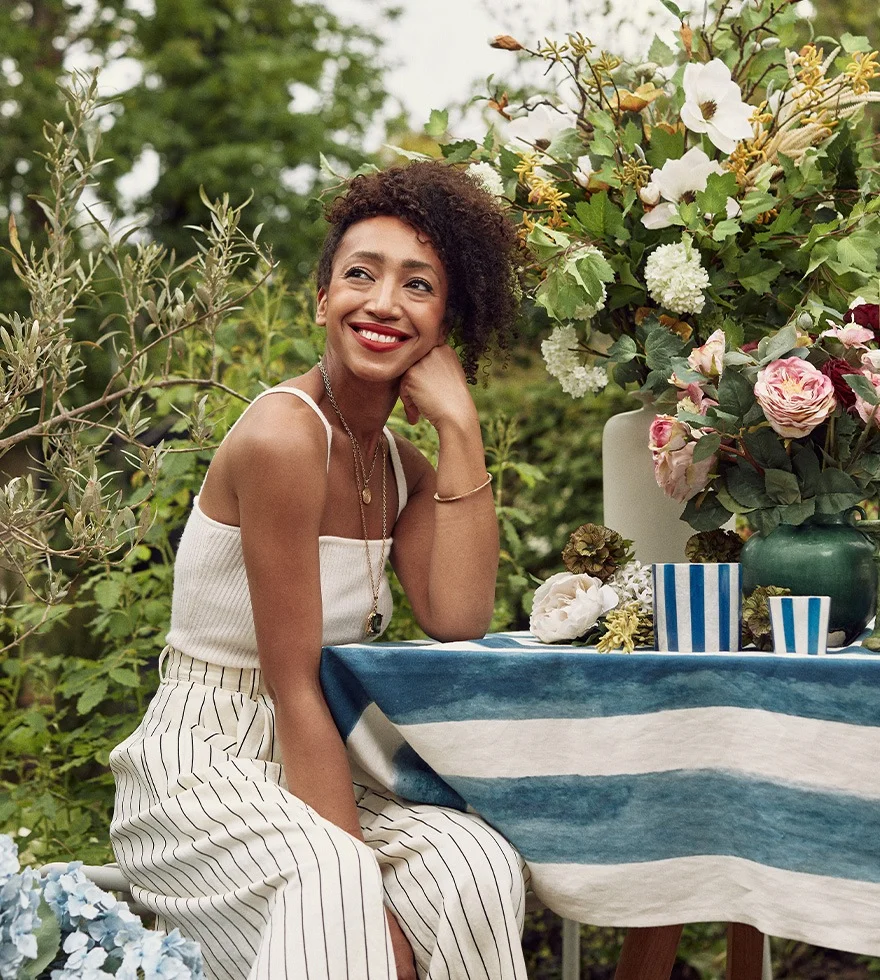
column 632, row 503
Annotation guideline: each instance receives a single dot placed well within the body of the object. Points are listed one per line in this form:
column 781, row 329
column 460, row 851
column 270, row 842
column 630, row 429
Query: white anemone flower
column 543, row 122
column 714, row 106
column 583, row 170
column 675, row 181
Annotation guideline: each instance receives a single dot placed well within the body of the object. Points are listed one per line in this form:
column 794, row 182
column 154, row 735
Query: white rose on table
column 566, row 606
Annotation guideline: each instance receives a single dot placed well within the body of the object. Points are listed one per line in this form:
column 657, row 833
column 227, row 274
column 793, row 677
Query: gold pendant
column 374, row 624
column 366, row 496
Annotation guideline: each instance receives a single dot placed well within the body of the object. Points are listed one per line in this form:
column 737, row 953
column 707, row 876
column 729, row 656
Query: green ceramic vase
column 826, row 555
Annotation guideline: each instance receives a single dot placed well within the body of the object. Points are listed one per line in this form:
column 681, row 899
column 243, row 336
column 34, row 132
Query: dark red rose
column 836, row 368
column 749, row 347
column 865, row 315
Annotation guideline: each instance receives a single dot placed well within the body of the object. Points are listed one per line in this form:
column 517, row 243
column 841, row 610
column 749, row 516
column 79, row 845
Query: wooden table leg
column 745, row 952
column 649, row 953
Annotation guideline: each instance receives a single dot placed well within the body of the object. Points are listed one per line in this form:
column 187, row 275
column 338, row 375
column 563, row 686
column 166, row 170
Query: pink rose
column 869, row 413
column 795, row 396
column 667, row 434
column 709, row 359
column 675, row 471
column 694, row 399
column 851, row 335
column 871, row 361
column 865, row 315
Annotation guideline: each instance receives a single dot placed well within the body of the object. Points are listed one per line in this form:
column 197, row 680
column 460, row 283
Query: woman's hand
column 435, row 388
column 403, row 954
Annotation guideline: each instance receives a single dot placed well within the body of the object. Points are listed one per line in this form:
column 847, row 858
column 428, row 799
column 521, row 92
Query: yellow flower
column 862, row 70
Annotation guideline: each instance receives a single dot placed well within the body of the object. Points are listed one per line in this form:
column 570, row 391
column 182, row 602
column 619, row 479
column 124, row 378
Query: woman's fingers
column 403, row 954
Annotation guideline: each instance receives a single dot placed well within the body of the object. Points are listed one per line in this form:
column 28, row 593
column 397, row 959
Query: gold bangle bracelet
column 461, row 496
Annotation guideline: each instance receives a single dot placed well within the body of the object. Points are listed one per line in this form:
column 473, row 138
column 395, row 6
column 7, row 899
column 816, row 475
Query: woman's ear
column 321, row 310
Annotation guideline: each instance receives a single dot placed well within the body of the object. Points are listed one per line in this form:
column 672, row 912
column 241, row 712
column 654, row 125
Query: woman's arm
column 446, row 554
column 278, row 470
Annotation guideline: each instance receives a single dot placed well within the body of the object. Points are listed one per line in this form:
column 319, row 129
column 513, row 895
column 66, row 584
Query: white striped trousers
column 213, row 843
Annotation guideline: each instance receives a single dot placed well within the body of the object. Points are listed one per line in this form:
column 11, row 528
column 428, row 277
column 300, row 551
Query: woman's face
column 385, row 304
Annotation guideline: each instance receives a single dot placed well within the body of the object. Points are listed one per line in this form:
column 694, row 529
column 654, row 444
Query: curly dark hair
column 473, row 236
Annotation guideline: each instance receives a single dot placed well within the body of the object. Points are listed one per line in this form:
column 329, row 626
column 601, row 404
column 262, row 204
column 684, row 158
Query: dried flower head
column 756, row 616
column 596, row 550
column 713, row 546
column 625, row 629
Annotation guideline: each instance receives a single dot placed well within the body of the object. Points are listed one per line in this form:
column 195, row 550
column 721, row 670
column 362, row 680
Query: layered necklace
column 373, row 625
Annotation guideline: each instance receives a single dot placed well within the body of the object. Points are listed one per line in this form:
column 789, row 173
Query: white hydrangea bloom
column 487, row 177
column 675, row 278
column 560, row 353
column 633, row 583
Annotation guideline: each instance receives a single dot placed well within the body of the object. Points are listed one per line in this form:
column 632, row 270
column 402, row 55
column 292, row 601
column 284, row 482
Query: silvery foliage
column 66, row 509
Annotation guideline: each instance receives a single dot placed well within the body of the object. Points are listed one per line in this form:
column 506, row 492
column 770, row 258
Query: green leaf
column 836, row 491
column 719, row 187
column 601, row 217
column 773, row 347
column 438, row 122
column 673, row 8
column 660, row 347
column 858, row 252
column 863, row 387
column 547, row 242
column 91, row 697
column 664, row 146
column 854, row 42
column 766, row 449
column 746, row 486
column 782, row 487
column 622, row 350
column 705, row 514
column 726, row 229
column 660, row 53
column 125, row 676
column 107, row 592
column 48, row 936
column 706, row 447
column 458, row 152
column 735, row 393
column 799, row 512
column 756, row 272
column 806, row 464
column 567, row 145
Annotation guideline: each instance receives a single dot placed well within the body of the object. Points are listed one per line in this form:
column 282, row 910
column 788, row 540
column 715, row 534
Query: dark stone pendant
column 374, row 624
column 366, row 496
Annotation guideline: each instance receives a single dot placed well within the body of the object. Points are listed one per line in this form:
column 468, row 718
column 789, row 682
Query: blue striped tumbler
column 698, row 607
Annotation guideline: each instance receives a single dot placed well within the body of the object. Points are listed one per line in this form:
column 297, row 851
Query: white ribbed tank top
column 211, row 614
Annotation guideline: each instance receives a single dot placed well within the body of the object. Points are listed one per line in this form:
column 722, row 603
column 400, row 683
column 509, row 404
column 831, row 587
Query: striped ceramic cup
column 799, row 623
column 697, row 608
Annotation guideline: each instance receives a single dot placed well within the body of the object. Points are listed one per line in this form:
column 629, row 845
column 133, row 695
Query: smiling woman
column 236, row 818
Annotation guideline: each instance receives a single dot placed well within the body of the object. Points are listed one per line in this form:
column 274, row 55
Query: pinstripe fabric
column 212, row 841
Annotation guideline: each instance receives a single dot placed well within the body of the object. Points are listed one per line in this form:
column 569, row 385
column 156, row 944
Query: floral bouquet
column 728, row 182
column 778, row 431
column 605, row 597
column 63, row 927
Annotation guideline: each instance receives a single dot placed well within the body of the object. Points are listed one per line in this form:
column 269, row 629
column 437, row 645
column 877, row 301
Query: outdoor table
column 642, row 789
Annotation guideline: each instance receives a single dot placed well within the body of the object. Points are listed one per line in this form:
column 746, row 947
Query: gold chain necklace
column 364, row 486
column 373, row 625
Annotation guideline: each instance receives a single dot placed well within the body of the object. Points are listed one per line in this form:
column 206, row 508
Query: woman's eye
column 421, row 284
column 357, row 273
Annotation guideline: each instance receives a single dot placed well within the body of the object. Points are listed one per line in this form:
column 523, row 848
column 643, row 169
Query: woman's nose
column 383, row 301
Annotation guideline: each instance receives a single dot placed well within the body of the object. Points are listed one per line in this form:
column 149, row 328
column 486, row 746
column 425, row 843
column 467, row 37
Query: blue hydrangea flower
column 8, row 858
column 103, row 938
column 19, row 900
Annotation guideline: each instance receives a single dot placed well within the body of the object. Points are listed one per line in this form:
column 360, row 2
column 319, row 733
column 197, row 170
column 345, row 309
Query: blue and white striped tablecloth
column 642, row 789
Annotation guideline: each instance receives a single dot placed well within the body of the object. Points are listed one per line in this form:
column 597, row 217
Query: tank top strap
column 400, row 478
column 302, row 397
